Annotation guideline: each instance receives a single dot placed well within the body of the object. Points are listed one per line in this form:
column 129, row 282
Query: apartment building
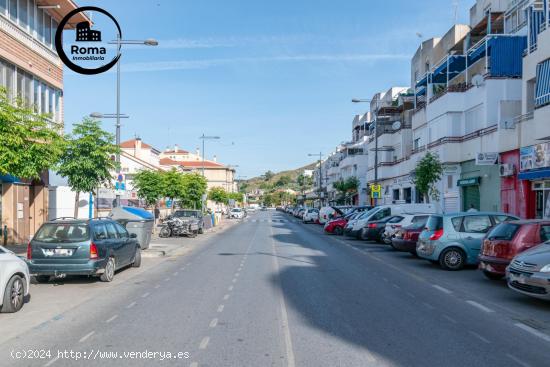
column 30, row 69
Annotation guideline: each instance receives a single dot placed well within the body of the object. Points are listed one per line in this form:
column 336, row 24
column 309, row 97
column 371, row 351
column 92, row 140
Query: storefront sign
column 469, row 181
column 451, row 169
column 534, row 157
column 486, row 159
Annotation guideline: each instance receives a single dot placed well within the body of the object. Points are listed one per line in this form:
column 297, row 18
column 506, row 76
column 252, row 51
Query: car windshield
column 367, row 213
column 186, row 213
column 63, row 233
column 504, row 231
column 235, row 210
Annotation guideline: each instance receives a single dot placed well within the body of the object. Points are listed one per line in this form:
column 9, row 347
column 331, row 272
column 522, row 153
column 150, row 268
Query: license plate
column 518, row 278
column 58, row 252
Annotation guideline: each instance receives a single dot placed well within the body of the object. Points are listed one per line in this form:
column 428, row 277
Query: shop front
column 479, row 184
column 516, row 195
column 535, row 171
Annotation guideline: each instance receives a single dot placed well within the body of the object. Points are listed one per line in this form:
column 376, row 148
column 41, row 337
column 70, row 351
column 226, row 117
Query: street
column 271, row 291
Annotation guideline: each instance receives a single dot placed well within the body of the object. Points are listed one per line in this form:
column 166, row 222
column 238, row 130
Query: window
column 48, row 29
column 13, row 10
column 32, row 18
column 111, row 231
column 544, row 233
column 100, row 232
column 122, row 232
column 51, row 109
column 434, row 223
column 54, row 30
column 420, row 220
column 63, row 233
column 23, row 14
column 381, row 214
column 416, row 144
column 43, row 98
column 503, row 231
column 542, row 89
column 396, row 194
column 3, row 6
column 476, row 224
column 40, row 24
column 502, row 218
column 395, row 219
column 457, row 223
column 36, row 98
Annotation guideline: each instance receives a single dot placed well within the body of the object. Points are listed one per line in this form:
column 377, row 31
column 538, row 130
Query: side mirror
column 133, row 235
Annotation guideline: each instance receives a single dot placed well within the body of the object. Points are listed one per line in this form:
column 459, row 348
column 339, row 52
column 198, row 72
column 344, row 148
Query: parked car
column 14, row 281
column 454, row 240
column 236, row 213
column 338, row 224
column 406, row 238
column 327, row 213
column 310, row 215
column 384, row 211
column 191, row 217
column 95, row 247
column 408, row 219
column 508, row 239
column 374, row 230
column 529, row 272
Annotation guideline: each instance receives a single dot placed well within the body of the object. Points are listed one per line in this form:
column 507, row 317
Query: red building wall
column 516, row 196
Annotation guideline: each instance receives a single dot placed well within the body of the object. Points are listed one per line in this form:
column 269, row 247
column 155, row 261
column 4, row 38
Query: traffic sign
column 376, row 191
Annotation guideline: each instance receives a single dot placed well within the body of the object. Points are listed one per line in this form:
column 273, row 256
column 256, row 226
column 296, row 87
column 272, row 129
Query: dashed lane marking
column 213, row 323
column 230, row 288
column 194, row 364
column 234, row 280
column 442, row 289
column 131, row 305
column 226, row 297
column 145, row 295
column 111, row 319
column 480, row 306
column 450, row 319
column 204, row 342
column 85, row 337
column 175, row 273
column 533, row 331
column 428, row 306
column 157, row 286
column 518, row 361
column 51, row 362
column 485, row 340
column 220, row 308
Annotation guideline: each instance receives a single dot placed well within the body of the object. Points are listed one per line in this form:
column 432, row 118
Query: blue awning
column 476, row 54
column 542, row 93
column 421, row 91
column 9, row 179
column 454, row 65
column 534, row 175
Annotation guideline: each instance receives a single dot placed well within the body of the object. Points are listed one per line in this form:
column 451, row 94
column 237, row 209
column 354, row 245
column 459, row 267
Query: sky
column 273, row 79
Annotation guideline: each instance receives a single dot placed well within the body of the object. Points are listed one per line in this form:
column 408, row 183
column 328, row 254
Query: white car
column 310, row 215
column 384, row 211
column 408, row 219
column 14, row 281
column 236, row 213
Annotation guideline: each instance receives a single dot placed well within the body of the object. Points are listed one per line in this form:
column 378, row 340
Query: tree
column 346, row 188
column 149, row 186
column 173, row 185
column 304, row 182
column 268, row 175
column 29, row 142
column 86, row 161
column 283, row 181
column 194, row 187
column 428, row 171
column 237, row 196
column 218, row 195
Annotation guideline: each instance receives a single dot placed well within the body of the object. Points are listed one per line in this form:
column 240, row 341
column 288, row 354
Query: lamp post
column 320, row 175
column 119, row 42
column 375, row 113
column 203, row 138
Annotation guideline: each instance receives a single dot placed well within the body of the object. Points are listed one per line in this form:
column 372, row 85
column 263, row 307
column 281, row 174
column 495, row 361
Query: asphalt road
column 273, row 292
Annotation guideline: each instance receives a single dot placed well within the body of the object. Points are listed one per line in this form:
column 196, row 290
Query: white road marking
column 237, row 274
column 449, row 318
column 428, row 306
column 175, row 273
column 234, row 280
column 145, row 295
column 226, row 297
column 533, row 331
column 157, row 286
column 230, row 288
column 411, row 295
column 167, row 279
column 85, row 337
column 220, row 308
column 213, row 323
column 396, row 286
column 442, row 289
column 111, row 319
column 194, row 364
column 485, row 340
column 480, row 306
column 51, row 362
column 291, row 362
column 385, row 279
column 182, row 268
column 131, row 305
column 518, row 361
column 204, row 342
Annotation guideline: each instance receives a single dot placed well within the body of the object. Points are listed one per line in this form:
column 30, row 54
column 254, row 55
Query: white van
column 383, row 211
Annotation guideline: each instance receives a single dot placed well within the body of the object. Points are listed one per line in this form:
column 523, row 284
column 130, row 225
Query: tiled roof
column 129, row 144
column 180, row 151
column 194, row 164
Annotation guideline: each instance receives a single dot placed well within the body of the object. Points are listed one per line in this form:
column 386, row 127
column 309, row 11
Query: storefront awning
column 472, row 181
column 9, row 179
column 534, row 175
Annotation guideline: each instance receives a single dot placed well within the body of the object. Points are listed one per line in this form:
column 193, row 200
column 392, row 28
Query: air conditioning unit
column 506, row 169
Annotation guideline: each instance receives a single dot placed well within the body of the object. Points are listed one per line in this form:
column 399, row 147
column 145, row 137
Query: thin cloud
column 208, row 63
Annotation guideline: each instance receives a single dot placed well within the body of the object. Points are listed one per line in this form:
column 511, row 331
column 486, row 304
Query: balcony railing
column 460, row 139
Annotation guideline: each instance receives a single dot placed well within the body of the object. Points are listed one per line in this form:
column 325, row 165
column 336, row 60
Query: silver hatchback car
column 529, row 272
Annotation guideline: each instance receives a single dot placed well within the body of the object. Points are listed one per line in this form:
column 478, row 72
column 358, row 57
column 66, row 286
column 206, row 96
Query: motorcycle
column 174, row 227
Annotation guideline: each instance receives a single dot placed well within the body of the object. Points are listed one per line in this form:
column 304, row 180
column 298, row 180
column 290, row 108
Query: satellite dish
column 478, row 80
column 396, row 125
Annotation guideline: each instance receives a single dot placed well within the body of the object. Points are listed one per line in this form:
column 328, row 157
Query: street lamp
column 320, row 175
column 119, row 42
column 203, row 138
column 375, row 113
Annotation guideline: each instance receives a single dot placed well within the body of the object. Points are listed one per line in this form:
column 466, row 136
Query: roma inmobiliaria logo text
column 89, row 53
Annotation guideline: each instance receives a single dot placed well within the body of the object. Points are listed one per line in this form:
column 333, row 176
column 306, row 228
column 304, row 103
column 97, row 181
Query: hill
column 269, row 180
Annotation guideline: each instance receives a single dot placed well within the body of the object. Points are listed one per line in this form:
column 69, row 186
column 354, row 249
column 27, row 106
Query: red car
column 406, row 238
column 336, row 225
column 508, row 239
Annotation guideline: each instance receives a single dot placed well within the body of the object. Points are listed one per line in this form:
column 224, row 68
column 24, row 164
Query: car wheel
column 137, row 258
column 493, row 276
column 201, row 231
column 452, row 259
column 14, row 295
column 338, row 231
column 109, row 273
column 165, row 232
column 42, row 278
column 192, row 234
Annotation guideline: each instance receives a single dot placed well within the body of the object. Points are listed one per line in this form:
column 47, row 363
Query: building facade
column 30, row 69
